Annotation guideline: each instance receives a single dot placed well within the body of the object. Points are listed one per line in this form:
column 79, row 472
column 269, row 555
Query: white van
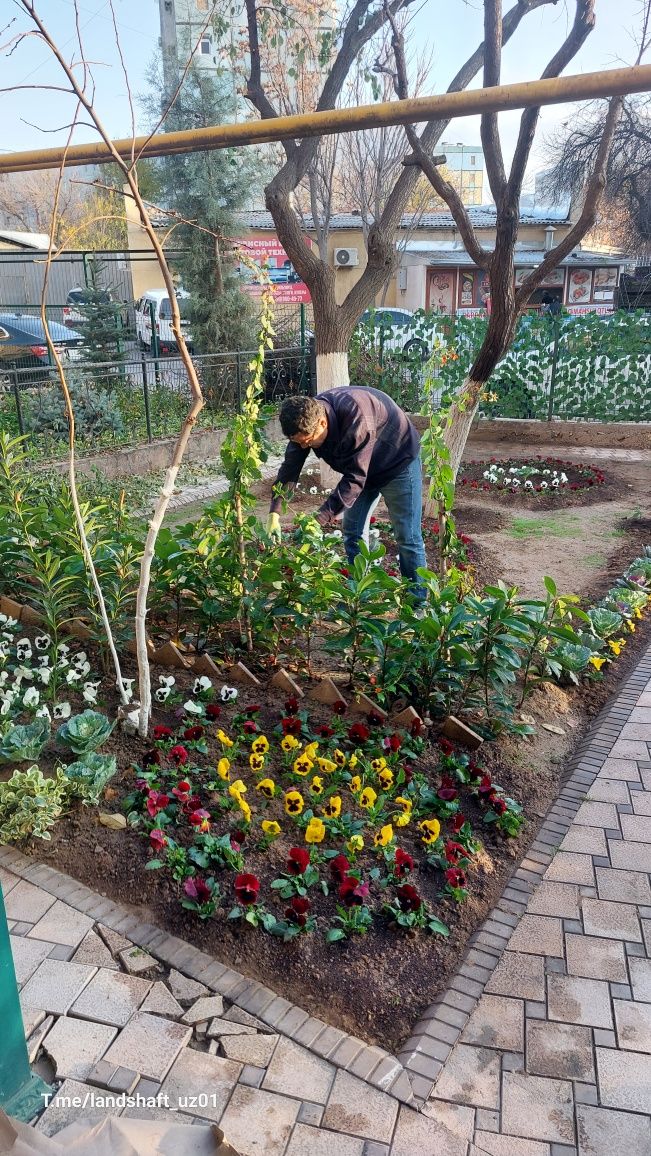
column 158, row 302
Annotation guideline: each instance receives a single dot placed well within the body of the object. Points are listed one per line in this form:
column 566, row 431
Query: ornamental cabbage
column 22, row 743
column 89, row 776
column 85, row 732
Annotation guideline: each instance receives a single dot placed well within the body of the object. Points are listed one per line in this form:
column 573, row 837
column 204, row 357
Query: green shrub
column 96, row 412
column 30, row 805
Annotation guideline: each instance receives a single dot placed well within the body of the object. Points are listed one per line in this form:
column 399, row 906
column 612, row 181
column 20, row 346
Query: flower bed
column 529, row 478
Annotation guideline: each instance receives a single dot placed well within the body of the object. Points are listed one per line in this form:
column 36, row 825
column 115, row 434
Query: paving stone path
column 541, row 1046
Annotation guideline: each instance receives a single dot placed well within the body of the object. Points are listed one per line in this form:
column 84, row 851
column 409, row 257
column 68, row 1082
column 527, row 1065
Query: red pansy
column 457, row 822
column 213, row 710
column 156, row 801
column 291, row 706
column 297, row 860
column 324, row 731
column 339, row 866
column 392, row 743
column 162, row 732
column 454, row 851
column 408, row 898
column 339, row 707
column 193, row 733
column 455, row 877
column 196, row 888
column 446, row 747
column 200, row 817
column 359, row 733
column 291, row 726
column 353, row 893
column 246, row 889
column 249, row 727
column 298, row 910
column 179, row 754
column 157, row 839
column 403, row 863
column 447, row 791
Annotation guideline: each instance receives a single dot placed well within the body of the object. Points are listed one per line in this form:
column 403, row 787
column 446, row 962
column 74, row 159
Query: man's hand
column 273, row 527
column 322, row 517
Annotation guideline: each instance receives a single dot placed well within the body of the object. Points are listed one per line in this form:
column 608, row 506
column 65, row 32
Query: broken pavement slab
column 136, row 960
column 183, row 989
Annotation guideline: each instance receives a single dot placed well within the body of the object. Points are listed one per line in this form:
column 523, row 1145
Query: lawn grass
column 553, row 525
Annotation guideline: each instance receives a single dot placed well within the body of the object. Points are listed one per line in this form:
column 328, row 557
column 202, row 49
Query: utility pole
column 169, row 48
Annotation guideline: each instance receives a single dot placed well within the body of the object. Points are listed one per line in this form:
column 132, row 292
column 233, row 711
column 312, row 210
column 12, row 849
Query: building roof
column 39, row 241
column 481, row 216
column 523, row 257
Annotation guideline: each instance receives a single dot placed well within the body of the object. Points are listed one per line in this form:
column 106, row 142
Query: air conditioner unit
column 346, row 258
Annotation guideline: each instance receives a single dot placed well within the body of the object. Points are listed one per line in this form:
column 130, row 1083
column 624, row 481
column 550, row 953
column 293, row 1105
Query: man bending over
column 363, row 435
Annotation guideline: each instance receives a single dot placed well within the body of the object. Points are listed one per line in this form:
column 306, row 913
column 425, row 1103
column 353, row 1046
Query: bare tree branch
column 490, row 136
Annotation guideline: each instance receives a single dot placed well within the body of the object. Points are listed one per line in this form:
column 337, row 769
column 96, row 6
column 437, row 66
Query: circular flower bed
column 548, row 477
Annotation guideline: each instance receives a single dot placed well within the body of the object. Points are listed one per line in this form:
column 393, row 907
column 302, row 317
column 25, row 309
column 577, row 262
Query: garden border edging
column 440, row 1027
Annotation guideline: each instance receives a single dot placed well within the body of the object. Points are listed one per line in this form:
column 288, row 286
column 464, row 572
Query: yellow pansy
column 290, row 743
column 403, row 820
column 270, row 828
column 315, row 832
column 631, row 625
column 333, row 807
column 353, row 761
column 244, row 808
column 384, row 836
column 316, row 786
column 355, row 844
column 378, row 764
column 368, row 798
column 597, row 662
column 403, row 802
column 310, row 750
column 302, row 765
column 327, row 766
column 266, row 787
column 260, row 746
column 237, row 788
column 294, row 802
column 616, row 645
column 224, row 769
column 637, row 612
column 339, row 757
column 355, row 784
column 256, row 762
column 386, row 778
column 431, row 829
column 224, row 739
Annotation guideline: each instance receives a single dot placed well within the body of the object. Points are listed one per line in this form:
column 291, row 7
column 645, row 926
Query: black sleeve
column 289, row 472
column 357, row 450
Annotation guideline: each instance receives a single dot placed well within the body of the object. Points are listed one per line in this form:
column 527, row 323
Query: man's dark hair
column 300, row 415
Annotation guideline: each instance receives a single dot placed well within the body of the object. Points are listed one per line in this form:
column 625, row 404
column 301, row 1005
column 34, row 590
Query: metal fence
column 140, row 398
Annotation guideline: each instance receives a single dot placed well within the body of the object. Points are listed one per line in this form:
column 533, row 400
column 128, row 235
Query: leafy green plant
column 89, row 776
column 30, row 804
column 85, row 732
column 368, row 596
column 96, row 412
column 20, row 744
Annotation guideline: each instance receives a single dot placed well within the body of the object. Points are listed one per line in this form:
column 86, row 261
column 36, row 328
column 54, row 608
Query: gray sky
column 451, row 27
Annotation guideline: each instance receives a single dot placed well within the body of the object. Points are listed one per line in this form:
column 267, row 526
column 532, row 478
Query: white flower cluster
column 517, row 476
column 26, row 668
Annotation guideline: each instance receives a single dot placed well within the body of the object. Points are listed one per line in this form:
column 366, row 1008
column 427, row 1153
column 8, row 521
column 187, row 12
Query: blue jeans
column 404, row 500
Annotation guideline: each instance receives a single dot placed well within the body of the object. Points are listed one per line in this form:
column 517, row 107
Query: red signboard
column 268, row 252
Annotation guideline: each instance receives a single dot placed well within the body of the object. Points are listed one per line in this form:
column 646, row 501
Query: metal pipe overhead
column 500, row 98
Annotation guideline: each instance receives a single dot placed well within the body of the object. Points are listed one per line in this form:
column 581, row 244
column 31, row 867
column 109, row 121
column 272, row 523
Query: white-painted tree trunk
column 331, row 372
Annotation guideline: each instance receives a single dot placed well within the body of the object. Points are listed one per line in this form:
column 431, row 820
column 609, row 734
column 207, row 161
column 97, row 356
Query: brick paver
column 541, row 1046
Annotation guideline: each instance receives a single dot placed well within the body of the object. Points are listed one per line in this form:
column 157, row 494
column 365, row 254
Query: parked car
column 23, row 345
column 402, row 330
column 157, row 301
column 77, row 297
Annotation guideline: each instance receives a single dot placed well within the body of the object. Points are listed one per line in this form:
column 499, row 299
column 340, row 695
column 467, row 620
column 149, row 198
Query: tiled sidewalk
column 541, row 1046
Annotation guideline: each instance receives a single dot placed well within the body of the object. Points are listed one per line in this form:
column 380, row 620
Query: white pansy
column 63, row 648
column 515, row 483
column 7, row 703
column 162, row 693
column 310, row 472
column 43, row 711
column 79, row 658
column 314, row 490
column 544, row 486
column 62, row 663
column 23, row 649
column 127, row 686
column 7, row 622
column 326, row 491
column 62, row 710
column 45, row 674
column 201, row 684
column 528, row 485
column 228, row 694
column 167, row 680
column 73, row 676
column 23, row 673
column 555, row 482
column 43, row 660
column 31, row 697
column 42, row 641
column 192, row 707
column 4, row 675
column 564, row 478
column 545, row 472
column 335, row 534
column 89, row 693
column 513, row 470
